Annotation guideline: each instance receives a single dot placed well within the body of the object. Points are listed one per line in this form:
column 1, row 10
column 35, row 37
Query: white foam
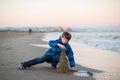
column 81, row 73
column 41, row 45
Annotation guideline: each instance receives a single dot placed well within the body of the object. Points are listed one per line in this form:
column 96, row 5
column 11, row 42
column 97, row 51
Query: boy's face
column 64, row 40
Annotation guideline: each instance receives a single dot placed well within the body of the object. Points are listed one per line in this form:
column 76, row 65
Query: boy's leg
column 55, row 61
column 35, row 61
column 54, row 64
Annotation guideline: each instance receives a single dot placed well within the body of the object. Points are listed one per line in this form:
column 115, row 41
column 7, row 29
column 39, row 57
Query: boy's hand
column 73, row 69
column 61, row 46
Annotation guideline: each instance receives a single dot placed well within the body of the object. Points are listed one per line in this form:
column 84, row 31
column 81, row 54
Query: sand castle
column 63, row 63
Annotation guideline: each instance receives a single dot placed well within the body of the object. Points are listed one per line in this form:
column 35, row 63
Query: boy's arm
column 52, row 43
column 71, row 59
column 61, row 46
column 70, row 56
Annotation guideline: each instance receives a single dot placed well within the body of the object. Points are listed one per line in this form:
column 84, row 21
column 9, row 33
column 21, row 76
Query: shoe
column 21, row 66
column 54, row 66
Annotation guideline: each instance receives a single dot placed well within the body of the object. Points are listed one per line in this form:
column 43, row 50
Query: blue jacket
column 55, row 50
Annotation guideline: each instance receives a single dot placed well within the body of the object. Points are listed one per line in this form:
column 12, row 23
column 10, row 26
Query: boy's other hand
column 73, row 69
column 61, row 46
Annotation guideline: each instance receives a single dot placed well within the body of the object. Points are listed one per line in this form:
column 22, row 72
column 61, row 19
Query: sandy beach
column 96, row 58
column 102, row 60
column 15, row 47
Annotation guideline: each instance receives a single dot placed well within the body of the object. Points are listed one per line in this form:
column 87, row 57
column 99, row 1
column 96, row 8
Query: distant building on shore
column 59, row 29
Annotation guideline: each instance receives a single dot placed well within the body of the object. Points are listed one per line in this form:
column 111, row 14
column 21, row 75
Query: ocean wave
column 103, row 40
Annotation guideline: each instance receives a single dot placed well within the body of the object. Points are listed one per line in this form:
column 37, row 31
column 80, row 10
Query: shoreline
column 105, row 61
column 94, row 57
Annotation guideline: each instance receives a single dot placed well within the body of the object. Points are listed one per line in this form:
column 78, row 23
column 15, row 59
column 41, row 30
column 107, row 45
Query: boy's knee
column 56, row 58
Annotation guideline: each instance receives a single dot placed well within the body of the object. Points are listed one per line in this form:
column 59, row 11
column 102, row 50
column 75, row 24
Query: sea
column 102, row 38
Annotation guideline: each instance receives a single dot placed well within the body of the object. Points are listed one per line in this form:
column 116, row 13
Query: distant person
column 52, row 55
column 30, row 31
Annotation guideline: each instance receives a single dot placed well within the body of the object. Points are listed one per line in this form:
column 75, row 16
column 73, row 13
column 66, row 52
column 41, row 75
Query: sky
column 66, row 13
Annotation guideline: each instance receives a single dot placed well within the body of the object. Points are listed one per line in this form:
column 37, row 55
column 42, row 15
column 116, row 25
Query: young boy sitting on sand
column 52, row 55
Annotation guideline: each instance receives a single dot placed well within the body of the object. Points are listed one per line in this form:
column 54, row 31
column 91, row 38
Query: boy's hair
column 67, row 35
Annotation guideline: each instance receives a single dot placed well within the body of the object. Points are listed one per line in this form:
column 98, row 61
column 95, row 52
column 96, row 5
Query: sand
column 95, row 58
column 16, row 47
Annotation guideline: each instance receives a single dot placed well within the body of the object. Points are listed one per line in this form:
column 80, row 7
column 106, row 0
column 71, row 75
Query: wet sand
column 102, row 60
column 96, row 58
column 15, row 47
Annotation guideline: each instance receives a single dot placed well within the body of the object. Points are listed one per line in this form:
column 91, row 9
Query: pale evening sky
column 66, row 13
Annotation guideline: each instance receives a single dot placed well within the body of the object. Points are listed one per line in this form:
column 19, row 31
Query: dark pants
column 45, row 58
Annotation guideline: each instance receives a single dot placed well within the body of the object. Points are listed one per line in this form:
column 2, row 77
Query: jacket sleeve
column 70, row 56
column 52, row 43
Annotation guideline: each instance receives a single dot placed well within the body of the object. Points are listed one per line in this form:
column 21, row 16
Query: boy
column 52, row 55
